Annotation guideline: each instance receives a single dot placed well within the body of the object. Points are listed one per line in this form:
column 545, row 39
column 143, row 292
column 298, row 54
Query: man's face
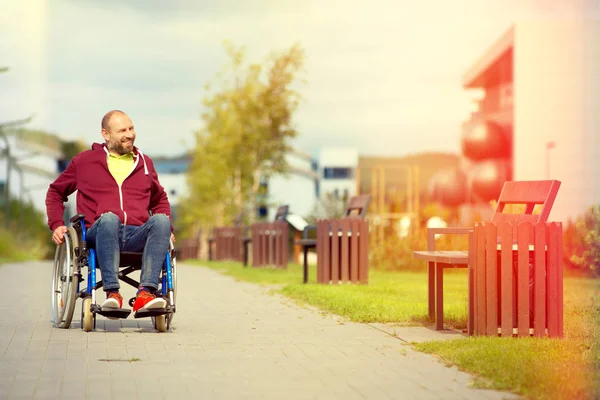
column 120, row 134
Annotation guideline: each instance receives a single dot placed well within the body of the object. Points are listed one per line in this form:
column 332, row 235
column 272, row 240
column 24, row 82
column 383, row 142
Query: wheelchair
column 70, row 260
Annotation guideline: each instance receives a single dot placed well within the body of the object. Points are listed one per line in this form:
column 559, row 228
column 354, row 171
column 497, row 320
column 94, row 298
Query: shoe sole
column 159, row 302
column 111, row 304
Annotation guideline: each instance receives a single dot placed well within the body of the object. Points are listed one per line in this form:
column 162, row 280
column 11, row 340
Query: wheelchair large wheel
column 174, row 276
column 64, row 281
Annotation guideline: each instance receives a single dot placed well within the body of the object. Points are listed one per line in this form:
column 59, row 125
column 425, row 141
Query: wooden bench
column 357, row 208
column 269, row 241
column 212, row 240
column 526, row 193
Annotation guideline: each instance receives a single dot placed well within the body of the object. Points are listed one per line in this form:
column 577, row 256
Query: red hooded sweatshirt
column 98, row 192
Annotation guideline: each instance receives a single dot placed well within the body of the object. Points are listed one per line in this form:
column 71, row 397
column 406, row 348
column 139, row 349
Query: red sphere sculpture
column 487, row 178
column 485, row 139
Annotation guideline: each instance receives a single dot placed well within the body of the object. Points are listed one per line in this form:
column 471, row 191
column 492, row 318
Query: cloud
column 383, row 75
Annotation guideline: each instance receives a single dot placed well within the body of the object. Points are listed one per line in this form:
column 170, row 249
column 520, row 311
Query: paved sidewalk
column 230, row 340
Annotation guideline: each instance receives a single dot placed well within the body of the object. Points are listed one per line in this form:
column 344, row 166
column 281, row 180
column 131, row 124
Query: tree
column 247, row 129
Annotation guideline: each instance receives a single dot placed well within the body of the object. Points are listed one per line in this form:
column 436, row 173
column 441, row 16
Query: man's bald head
column 108, row 116
column 118, row 132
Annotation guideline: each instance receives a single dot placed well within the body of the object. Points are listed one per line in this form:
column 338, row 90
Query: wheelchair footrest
column 152, row 312
column 114, row 313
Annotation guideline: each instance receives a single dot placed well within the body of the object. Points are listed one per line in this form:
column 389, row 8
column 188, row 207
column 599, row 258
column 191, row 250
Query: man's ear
column 105, row 134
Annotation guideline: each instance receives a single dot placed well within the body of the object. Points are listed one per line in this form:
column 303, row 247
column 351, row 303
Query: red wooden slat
column 524, row 238
column 354, row 251
column 539, row 281
column 335, row 251
column 529, row 193
column 254, row 244
column 327, row 253
column 552, row 279
column 491, row 281
column 320, row 247
column 560, row 309
column 480, row 281
column 363, row 268
column 345, row 250
column 506, row 281
column 284, row 244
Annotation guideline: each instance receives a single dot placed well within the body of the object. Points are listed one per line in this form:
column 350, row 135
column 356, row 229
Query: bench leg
column 470, row 319
column 439, row 296
column 305, row 264
column 431, row 290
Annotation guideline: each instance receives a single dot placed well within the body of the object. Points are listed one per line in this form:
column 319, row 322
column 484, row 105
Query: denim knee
column 161, row 222
column 109, row 220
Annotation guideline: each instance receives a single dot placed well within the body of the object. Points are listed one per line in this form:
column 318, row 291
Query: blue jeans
column 109, row 237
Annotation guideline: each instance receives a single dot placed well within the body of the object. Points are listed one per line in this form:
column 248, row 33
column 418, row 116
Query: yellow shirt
column 120, row 166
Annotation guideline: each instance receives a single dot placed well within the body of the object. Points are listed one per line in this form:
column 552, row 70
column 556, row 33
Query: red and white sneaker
column 148, row 301
column 113, row 300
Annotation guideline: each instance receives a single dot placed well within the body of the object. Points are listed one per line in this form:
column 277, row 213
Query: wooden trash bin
column 518, row 281
column 342, row 251
column 270, row 244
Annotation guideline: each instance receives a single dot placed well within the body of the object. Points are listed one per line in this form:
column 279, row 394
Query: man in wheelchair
column 125, row 207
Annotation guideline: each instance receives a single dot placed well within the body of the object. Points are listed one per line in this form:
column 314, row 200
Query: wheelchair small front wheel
column 87, row 316
column 160, row 323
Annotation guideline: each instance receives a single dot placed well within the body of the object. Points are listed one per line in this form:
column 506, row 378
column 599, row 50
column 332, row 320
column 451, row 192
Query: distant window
column 337, row 173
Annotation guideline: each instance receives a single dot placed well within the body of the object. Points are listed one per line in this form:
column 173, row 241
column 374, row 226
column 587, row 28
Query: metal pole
column 7, row 185
column 21, row 198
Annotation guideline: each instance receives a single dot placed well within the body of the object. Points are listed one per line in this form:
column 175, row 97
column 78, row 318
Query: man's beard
column 119, row 148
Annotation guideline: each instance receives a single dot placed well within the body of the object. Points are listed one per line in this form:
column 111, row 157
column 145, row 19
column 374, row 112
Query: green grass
column 539, row 368
column 389, row 296
column 542, row 368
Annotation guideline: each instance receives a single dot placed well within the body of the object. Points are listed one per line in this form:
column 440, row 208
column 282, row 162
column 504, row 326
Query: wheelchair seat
column 130, row 259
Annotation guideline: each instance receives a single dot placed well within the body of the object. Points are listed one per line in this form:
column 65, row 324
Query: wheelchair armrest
column 76, row 218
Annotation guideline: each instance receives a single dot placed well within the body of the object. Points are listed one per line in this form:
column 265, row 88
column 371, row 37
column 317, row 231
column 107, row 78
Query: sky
column 381, row 76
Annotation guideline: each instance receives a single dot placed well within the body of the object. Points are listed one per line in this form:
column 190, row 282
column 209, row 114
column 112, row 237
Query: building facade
column 541, row 96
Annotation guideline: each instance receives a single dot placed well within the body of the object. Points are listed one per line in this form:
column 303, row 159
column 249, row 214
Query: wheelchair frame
column 73, row 255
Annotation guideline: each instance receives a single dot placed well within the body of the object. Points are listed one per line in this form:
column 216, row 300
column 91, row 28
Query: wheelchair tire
column 64, row 281
column 88, row 318
column 174, row 277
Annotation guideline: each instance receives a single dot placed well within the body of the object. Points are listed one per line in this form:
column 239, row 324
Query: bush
column 581, row 242
column 395, row 253
column 27, row 236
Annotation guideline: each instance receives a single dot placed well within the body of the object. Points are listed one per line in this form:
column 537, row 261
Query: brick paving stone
column 229, row 340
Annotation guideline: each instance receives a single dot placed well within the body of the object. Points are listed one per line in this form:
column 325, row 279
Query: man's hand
column 173, row 238
column 58, row 236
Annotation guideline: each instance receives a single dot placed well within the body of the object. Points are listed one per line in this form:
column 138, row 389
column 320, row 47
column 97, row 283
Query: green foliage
column 247, row 128
column 70, row 149
column 582, row 242
column 395, row 253
column 328, row 207
column 26, row 236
